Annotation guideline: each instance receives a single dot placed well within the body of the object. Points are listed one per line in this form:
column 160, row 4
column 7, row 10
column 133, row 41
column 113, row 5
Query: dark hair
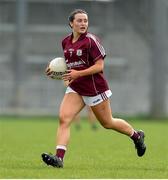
column 73, row 13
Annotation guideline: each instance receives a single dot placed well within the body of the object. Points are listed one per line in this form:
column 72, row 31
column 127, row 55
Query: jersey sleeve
column 96, row 49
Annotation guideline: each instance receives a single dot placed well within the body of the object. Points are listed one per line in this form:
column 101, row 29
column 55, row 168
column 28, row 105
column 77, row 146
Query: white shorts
column 92, row 100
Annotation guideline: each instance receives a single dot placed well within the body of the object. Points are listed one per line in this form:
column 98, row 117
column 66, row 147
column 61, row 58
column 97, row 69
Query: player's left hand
column 71, row 75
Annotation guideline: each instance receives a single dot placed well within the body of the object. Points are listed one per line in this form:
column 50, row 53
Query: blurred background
column 133, row 32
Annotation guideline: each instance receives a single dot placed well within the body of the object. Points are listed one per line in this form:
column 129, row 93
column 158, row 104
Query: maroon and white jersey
column 81, row 55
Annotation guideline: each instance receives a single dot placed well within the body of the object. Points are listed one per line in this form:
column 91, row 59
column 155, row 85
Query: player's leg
column 103, row 113
column 71, row 105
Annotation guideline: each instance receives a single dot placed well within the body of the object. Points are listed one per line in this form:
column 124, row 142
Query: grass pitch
column 91, row 154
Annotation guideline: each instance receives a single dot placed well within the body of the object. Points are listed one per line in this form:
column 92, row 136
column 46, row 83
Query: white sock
column 61, row 147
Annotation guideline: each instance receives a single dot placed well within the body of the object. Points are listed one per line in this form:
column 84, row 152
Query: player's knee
column 64, row 118
column 107, row 126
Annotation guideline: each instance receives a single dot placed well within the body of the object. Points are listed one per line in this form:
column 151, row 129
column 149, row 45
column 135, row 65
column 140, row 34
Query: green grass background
column 91, row 154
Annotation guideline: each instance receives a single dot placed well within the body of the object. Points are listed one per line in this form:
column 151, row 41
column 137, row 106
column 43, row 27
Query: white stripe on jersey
column 100, row 47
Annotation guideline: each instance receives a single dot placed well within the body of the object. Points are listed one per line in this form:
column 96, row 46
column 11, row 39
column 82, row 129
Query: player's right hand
column 49, row 73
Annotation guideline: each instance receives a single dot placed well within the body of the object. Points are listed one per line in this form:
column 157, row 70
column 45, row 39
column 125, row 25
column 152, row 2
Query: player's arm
column 74, row 74
column 96, row 68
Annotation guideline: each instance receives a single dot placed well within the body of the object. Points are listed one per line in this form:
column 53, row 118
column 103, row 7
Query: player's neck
column 75, row 37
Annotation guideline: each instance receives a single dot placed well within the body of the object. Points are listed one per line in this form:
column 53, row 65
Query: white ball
column 58, row 66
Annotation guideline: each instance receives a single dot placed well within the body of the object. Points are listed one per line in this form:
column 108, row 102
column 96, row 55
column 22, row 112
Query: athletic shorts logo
column 97, row 100
column 79, row 52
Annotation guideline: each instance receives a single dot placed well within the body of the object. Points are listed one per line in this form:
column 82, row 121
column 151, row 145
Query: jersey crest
column 79, row 52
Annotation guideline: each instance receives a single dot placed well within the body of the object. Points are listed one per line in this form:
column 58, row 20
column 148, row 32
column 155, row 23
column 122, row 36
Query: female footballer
column 84, row 57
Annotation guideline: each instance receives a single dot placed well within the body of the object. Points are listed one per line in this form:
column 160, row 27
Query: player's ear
column 70, row 24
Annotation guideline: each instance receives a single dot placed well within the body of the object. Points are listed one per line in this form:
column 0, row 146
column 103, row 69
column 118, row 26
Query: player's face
column 80, row 23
